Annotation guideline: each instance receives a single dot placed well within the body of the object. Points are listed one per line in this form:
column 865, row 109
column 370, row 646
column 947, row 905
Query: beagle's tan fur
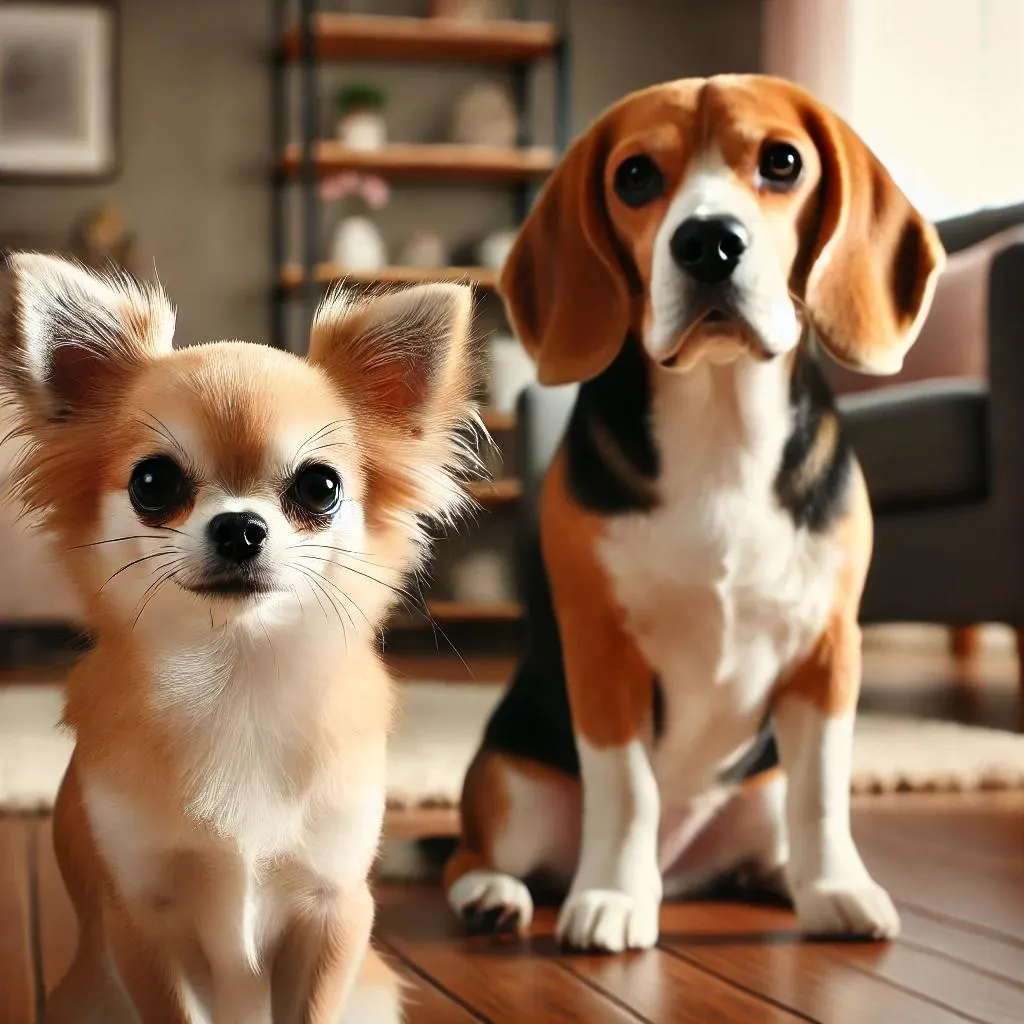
column 705, row 529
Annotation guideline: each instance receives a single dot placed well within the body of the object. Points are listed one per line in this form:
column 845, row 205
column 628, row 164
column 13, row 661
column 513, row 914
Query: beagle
column 685, row 708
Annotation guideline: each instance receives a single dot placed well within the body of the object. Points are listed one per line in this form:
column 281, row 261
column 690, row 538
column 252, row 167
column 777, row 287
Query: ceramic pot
column 511, row 371
column 482, row 578
column 494, row 250
column 485, row 115
column 362, row 129
column 357, row 246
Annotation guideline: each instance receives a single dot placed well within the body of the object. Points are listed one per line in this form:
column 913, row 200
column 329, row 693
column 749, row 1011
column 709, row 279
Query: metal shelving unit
column 315, row 37
column 305, row 38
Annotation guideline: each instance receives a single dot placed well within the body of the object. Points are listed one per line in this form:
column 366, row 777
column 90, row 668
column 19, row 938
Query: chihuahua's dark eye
column 317, row 489
column 638, row 181
column 780, row 164
column 157, row 486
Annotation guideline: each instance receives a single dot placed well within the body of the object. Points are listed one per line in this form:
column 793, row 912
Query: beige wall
column 196, row 150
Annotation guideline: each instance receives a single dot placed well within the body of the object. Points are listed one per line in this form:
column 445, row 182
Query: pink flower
column 339, row 186
column 376, row 192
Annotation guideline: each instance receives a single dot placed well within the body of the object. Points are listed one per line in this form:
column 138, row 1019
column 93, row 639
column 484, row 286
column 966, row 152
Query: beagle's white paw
column 859, row 909
column 608, row 921
column 489, row 901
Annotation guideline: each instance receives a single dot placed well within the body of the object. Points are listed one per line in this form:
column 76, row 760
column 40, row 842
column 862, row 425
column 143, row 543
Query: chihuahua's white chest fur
column 266, row 830
column 721, row 590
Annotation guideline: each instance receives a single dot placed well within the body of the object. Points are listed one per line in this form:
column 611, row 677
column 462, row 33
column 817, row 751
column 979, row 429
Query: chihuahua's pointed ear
column 68, row 337
column 405, row 361
column 401, row 355
column 875, row 260
column 563, row 283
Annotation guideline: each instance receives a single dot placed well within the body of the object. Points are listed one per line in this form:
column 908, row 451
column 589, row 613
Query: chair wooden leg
column 964, row 641
column 1020, row 657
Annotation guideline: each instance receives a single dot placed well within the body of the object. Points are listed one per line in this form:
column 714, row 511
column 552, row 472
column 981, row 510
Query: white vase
column 494, row 249
column 358, row 247
column 511, row 371
column 423, row 249
column 482, row 577
column 362, row 129
column 485, row 115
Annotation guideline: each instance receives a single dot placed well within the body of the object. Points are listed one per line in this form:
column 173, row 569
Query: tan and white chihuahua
column 238, row 521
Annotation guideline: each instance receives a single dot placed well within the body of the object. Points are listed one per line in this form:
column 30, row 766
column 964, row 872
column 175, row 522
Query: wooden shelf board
column 435, row 161
column 369, row 37
column 326, row 273
column 495, row 492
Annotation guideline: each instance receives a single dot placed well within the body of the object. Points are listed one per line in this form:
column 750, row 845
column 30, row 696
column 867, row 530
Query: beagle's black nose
column 237, row 536
column 708, row 248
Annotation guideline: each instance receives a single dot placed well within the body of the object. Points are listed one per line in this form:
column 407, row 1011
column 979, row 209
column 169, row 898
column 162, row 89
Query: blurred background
column 251, row 151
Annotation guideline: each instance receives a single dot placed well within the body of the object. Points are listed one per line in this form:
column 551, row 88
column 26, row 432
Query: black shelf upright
column 307, row 60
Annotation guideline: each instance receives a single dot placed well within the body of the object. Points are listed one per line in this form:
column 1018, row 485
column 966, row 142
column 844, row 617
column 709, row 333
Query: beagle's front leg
column 813, row 716
column 616, row 892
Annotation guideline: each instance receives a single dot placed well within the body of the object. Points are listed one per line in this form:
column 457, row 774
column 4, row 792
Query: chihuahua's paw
column 489, row 901
column 609, row 921
column 859, row 909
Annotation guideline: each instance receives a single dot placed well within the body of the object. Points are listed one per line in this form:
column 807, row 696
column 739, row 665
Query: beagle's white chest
column 720, row 589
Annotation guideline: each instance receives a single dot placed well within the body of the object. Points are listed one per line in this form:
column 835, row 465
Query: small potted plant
column 361, row 116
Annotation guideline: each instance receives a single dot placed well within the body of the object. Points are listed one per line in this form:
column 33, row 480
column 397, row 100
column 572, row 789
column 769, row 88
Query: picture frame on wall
column 58, row 90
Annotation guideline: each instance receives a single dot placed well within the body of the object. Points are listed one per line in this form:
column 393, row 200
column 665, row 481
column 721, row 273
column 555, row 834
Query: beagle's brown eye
column 638, row 181
column 780, row 164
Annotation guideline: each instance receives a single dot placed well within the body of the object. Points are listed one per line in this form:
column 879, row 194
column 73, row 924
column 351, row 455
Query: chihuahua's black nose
column 708, row 248
column 238, row 536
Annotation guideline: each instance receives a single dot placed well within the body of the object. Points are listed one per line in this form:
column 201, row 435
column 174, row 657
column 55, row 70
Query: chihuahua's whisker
column 298, row 600
column 314, row 582
column 317, row 597
column 359, row 556
column 273, row 650
column 164, row 431
column 324, row 431
column 172, row 552
column 345, row 600
column 317, row 578
column 322, row 448
column 171, row 572
column 116, row 540
column 373, row 579
column 124, row 568
column 173, row 564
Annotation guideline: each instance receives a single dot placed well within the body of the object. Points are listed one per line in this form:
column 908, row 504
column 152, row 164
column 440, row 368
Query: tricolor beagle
column 705, row 528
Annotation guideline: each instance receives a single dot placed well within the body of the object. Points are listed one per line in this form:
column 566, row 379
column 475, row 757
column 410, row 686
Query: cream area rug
column 440, row 728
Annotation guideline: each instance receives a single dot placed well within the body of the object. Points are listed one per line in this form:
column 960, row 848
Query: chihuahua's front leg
column 813, row 715
column 616, row 893
column 341, row 937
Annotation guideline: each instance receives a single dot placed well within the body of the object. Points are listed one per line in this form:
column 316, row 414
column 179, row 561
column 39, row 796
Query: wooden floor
column 954, row 864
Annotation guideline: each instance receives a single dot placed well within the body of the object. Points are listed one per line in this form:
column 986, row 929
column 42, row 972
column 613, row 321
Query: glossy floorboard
column 954, row 863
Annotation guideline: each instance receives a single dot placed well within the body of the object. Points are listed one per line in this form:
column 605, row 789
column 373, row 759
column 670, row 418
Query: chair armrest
column 1006, row 367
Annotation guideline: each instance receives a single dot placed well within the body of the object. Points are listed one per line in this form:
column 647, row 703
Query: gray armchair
column 942, row 445
column 943, row 449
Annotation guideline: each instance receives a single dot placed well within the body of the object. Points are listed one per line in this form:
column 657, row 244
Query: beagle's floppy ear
column 563, row 283
column 874, row 264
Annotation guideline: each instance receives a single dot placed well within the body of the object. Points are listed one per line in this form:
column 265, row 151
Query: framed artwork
column 58, row 89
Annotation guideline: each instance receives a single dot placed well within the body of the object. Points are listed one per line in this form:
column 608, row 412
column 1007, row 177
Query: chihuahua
column 238, row 522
